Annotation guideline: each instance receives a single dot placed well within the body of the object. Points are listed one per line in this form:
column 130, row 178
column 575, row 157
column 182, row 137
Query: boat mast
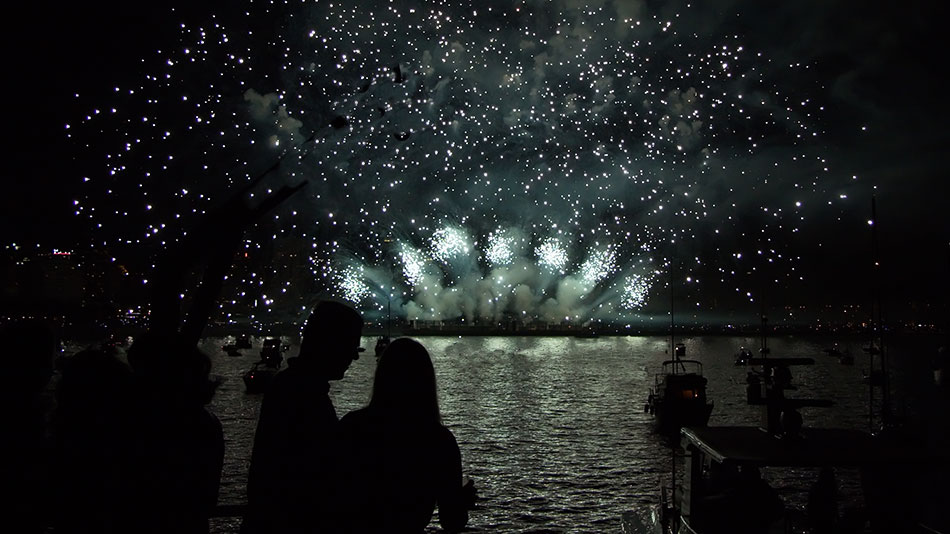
column 675, row 360
column 677, row 364
column 672, row 344
column 873, row 307
column 877, row 327
column 763, row 313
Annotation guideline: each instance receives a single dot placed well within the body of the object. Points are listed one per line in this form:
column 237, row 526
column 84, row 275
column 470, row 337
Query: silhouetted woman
column 180, row 443
column 94, row 435
column 398, row 462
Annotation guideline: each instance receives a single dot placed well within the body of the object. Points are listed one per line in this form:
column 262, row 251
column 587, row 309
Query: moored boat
column 722, row 490
column 586, row 333
column 259, row 377
column 722, row 477
column 832, row 351
column 272, row 352
column 743, row 356
column 242, row 341
column 678, row 395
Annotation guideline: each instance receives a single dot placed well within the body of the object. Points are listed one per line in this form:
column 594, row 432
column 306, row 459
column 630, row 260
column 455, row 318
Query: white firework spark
column 552, row 255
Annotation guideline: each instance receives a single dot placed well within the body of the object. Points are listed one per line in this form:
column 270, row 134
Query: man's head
column 331, row 338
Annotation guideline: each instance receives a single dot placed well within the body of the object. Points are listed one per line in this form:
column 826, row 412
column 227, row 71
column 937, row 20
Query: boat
column 272, row 351
column 258, row 377
column 586, row 333
column 242, row 341
column 723, row 492
column 115, row 342
column 678, row 395
column 743, row 356
column 719, row 488
column 768, row 371
column 832, row 351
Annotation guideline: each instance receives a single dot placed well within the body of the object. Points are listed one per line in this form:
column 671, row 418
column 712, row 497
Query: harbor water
column 553, row 429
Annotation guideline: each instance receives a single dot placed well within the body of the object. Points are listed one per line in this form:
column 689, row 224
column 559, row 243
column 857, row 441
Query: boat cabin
column 743, row 356
column 679, row 350
column 272, row 352
column 258, row 378
column 678, row 396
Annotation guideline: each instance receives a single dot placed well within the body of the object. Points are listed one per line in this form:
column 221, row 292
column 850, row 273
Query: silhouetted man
column 287, row 482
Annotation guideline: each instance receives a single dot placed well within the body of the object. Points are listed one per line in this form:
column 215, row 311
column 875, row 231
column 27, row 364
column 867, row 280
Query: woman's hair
column 94, row 397
column 174, row 366
column 404, row 387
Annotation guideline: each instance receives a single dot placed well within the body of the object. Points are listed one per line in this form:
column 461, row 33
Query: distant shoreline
column 471, row 331
column 292, row 330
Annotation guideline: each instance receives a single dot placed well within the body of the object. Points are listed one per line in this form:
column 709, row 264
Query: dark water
column 552, row 429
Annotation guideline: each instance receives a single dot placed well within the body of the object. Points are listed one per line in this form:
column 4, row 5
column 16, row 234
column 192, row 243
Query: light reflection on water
column 552, row 429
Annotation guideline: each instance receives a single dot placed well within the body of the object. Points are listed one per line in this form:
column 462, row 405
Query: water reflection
column 553, row 429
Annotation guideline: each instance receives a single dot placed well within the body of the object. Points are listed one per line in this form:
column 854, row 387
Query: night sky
column 484, row 159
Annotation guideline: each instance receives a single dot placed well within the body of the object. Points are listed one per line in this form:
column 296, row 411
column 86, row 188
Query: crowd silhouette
column 125, row 443
column 130, row 446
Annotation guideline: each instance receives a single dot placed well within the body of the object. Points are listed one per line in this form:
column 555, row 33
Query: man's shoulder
column 358, row 417
column 293, row 378
column 291, row 386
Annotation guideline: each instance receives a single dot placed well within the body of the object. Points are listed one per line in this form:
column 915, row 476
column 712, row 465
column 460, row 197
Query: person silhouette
column 754, row 501
column 29, row 347
column 288, row 484
column 180, row 449
column 180, row 443
column 93, row 433
column 397, row 456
